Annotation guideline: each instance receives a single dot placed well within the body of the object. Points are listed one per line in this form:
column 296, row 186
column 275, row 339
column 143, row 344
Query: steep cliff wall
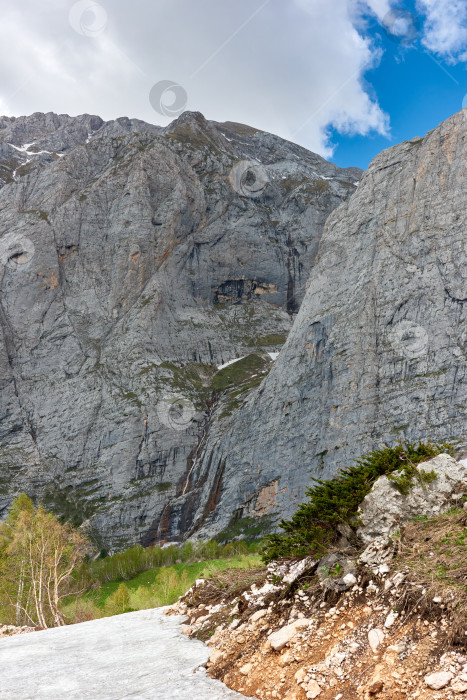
column 133, row 261
column 377, row 352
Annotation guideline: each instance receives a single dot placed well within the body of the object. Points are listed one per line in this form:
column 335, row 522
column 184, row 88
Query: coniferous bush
column 313, row 528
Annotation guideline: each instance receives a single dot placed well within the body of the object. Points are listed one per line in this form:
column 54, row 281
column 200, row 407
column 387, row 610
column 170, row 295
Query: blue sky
column 418, row 88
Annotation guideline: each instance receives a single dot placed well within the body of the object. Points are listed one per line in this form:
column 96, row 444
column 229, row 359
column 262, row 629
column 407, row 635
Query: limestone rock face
column 385, row 509
column 133, row 261
column 378, row 350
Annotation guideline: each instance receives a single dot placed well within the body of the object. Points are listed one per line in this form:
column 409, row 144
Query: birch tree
column 38, row 557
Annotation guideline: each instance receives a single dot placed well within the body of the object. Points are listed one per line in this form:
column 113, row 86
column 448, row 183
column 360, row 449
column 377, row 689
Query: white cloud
column 379, row 7
column 445, row 29
column 294, row 68
column 443, row 23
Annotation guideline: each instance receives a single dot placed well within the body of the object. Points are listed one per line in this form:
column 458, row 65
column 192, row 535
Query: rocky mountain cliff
column 377, row 352
column 135, row 260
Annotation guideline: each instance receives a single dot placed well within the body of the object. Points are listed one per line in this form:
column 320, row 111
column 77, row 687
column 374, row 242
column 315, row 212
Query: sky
column 344, row 78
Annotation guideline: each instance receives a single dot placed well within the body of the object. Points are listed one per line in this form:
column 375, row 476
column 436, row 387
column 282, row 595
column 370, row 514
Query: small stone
column 375, row 637
column 375, row 687
column 398, row 578
column 349, row 580
column 300, row 675
column 390, row 620
column 439, row 680
column 458, row 686
column 216, row 656
column 258, row 615
column 313, row 690
column 285, row 659
column 279, row 639
column 245, row 669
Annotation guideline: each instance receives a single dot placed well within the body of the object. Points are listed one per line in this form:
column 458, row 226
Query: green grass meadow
column 153, row 588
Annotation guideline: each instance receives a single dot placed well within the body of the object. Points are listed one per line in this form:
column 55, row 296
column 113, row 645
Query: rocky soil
column 387, row 619
column 135, row 260
column 11, row 630
column 350, row 646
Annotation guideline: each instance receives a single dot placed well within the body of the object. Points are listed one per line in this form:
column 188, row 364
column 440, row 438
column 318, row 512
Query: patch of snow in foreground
column 230, row 362
column 137, row 655
column 273, row 355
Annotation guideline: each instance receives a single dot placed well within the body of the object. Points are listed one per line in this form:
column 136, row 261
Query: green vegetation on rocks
column 238, row 372
column 314, row 527
column 272, row 339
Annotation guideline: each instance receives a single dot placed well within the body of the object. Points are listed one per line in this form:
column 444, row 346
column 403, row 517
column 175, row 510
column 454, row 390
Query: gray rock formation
column 377, row 352
column 134, row 259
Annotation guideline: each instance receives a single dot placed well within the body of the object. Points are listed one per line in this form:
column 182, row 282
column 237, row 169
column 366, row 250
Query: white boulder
column 439, row 680
column 384, row 509
column 375, row 637
column 258, row 615
column 279, row 639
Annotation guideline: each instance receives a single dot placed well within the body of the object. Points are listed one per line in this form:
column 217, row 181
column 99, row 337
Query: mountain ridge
column 135, row 260
column 377, row 352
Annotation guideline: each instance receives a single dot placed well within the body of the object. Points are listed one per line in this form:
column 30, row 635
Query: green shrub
column 81, row 610
column 313, row 527
column 119, row 601
column 128, row 564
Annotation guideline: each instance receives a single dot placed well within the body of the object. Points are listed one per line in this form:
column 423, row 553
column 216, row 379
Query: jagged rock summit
column 134, row 260
column 377, row 352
